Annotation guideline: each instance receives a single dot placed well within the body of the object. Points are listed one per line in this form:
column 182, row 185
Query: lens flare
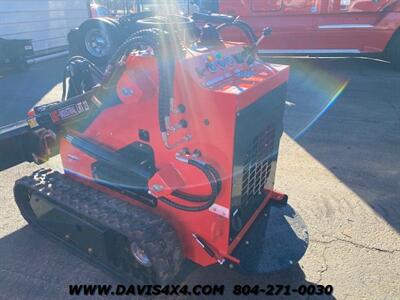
column 323, row 111
column 319, row 88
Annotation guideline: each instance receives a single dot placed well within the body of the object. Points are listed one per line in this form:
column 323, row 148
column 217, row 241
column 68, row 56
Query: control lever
column 265, row 33
column 253, row 50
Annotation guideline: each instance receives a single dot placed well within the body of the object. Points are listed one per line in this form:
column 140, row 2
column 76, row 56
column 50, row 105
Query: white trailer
column 45, row 22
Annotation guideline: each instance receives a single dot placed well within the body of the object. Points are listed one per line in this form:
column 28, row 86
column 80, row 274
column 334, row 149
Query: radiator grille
column 258, row 129
column 257, row 167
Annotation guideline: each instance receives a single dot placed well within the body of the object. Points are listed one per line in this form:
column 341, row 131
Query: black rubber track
column 148, row 231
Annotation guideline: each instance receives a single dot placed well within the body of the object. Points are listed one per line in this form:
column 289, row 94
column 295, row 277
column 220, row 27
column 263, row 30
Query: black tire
column 149, row 37
column 155, row 38
column 105, row 38
column 393, row 50
column 159, row 243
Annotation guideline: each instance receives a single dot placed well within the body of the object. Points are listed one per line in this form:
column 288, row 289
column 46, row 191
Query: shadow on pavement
column 33, row 267
column 36, row 267
column 215, row 275
column 20, row 91
column 345, row 113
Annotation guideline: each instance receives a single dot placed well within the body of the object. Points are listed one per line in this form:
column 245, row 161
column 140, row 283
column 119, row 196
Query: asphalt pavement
column 339, row 163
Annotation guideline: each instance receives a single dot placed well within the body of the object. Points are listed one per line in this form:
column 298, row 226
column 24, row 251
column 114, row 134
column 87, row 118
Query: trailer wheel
column 393, row 50
column 98, row 40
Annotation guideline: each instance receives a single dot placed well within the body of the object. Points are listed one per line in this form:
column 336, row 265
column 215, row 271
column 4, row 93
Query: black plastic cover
column 17, row 143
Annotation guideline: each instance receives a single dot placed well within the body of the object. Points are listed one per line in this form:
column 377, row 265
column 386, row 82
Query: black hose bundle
column 166, row 51
column 215, row 182
column 243, row 26
column 226, row 21
column 159, row 42
column 82, row 75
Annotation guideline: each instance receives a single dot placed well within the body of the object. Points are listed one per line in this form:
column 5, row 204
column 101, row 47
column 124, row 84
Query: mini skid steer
column 169, row 155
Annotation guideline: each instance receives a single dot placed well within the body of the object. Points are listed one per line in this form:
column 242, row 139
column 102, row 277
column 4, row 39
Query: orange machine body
column 212, row 89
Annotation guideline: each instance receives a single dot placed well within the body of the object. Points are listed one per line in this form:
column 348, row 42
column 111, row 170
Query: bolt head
column 127, row 91
column 158, row 187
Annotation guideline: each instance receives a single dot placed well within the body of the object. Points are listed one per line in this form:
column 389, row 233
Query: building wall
column 46, row 22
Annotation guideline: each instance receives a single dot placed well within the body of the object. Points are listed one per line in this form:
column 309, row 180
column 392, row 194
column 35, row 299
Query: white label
column 220, row 210
column 67, row 112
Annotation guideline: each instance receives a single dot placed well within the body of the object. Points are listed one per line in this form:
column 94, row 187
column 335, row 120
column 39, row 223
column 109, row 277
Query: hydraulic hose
column 79, row 64
column 243, row 26
column 157, row 40
column 215, row 183
column 167, row 72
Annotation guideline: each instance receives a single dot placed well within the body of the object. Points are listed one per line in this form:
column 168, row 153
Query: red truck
column 350, row 27
column 355, row 27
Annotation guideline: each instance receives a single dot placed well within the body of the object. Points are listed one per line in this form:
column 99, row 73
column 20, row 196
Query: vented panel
column 257, row 133
column 258, row 165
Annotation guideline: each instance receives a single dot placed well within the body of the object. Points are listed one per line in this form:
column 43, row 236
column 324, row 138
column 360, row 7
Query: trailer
column 45, row 22
column 300, row 27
